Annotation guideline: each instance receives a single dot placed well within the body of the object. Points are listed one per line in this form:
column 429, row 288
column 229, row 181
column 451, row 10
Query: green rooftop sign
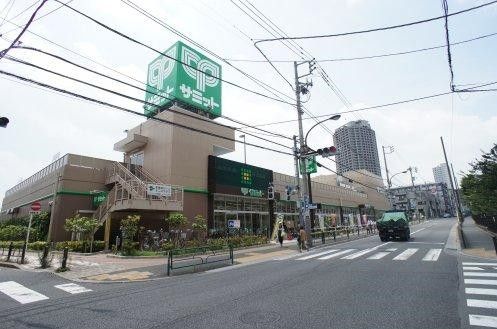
column 185, row 75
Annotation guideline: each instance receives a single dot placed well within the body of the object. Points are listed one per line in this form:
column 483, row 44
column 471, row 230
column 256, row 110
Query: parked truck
column 394, row 224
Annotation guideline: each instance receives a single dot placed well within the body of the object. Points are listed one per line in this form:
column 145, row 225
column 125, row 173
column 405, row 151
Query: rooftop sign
column 185, row 75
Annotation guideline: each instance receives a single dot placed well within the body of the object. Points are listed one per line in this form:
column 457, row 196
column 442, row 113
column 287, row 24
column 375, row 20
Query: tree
column 82, row 228
column 174, row 222
column 129, row 229
column 479, row 186
column 199, row 227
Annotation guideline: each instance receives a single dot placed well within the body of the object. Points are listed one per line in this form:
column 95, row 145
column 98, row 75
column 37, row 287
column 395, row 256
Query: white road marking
column 379, row 255
column 20, row 293
column 337, row 254
column 481, row 274
column 432, row 255
column 406, row 254
column 424, row 228
column 480, row 281
column 471, row 268
column 318, row 254
column 479, row 264
column 391, row 249
column 361, row 253
column 441, row 243
column 481, row 291
column 481, row 303
column 72, row 288
column 483, row 320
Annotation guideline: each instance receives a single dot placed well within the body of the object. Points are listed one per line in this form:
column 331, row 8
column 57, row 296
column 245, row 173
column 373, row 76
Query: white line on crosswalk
column 483, row 320
column 432, row 255
column 72, row 288
column 318, row 254
column 361, row 253
column 337, row 254
column 391, row 249
column 479, row 264
column 471, row 268
column 481, row 274
column 20, row 293
column 480, row 281
column 481, row 291
column 406, row 254
column 481, row 303
column 379, row 255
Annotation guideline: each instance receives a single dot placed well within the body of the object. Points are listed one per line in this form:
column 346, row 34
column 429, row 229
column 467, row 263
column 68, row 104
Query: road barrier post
column 23, row 253
column 322, row 237
column 64, row 257
column 11, row 246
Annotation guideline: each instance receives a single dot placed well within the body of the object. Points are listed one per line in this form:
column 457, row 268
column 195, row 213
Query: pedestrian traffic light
column 270, row 192
column 288, row 192
column 327, row 151
column 3, row 122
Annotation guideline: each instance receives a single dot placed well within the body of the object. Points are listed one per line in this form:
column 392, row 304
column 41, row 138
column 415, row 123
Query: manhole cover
column 259, row 317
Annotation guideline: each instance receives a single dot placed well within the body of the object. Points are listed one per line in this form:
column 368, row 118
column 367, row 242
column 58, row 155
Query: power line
column 385, row 28
column 449, row 55
column 11, row 2
column 411, row 100
column 23, row 11
column 123, row 109
column 5, row 51
column 345, row 59
column 160, row 22
column 127, row 97
column 142, row 89
column 167, row 56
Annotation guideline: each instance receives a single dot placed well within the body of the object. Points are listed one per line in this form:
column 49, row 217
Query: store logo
column 160, row 70
column 246, row 176
column 251, row 192
column 191, row 60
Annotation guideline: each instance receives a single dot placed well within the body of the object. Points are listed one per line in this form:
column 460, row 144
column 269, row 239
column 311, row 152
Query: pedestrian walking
column 302, row 239
column 281, row 234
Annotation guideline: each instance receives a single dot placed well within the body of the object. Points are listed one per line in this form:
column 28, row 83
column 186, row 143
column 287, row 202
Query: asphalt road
column 359, row 284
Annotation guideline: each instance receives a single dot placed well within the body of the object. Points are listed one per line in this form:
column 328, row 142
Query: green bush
column 80, row 246
column 16, row 233
column 37, row 245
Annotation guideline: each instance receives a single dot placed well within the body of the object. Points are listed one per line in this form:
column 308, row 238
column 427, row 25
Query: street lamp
column 244, row 148
column 390, row 183
column 309, row 184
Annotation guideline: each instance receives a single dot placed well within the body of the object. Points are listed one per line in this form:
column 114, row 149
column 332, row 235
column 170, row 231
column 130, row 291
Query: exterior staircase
column 130, row 186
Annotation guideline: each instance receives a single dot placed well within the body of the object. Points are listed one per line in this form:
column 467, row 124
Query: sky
column 44, row 123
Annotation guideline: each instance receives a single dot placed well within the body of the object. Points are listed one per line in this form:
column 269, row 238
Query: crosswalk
column 376, row 253
column 25, row 295
column 480, row 281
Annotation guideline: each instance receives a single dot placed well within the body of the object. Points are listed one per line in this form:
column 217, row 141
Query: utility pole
column 414, row 191
column 386, row 169
column 302, row 88
column 459, row 213
column 52, row 208
column 457, row 190
column 297, row 175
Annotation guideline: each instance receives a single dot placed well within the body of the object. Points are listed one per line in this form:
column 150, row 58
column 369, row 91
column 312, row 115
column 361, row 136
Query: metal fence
column 198, row 257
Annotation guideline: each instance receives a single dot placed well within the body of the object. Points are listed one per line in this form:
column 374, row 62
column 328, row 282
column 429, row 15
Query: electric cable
column 167, row 56
column 143, row 89
column 155, row 19
column 385, row 28
column 123, row 109
column 5, row 51
column 125, row 96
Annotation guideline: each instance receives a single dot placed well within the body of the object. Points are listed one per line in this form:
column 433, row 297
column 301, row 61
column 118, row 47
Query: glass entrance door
column 231, row 217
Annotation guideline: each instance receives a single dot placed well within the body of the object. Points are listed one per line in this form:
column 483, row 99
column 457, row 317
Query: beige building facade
column 172, row 163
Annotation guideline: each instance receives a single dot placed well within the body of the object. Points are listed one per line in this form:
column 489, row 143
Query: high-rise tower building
column 441, row 174
column 357, row 148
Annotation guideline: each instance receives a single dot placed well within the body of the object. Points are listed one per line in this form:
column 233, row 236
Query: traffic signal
column 270, row 192
column 288, row 192
column 3, row 122
column 327, row 151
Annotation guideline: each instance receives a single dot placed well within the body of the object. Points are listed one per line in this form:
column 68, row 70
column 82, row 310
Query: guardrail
column 198, row 256
column 342, row 232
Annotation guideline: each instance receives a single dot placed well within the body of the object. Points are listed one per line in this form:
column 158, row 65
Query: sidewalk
column 478, row 241
column 105, row 267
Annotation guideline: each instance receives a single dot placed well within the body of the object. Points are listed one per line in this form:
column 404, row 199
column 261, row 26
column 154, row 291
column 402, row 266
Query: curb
column 9, row 265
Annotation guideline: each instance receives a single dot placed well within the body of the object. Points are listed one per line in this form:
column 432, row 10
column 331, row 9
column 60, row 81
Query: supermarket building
column 172, row 165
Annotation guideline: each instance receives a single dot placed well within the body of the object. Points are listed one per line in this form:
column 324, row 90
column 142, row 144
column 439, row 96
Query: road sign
column 36, row 206
column 35, row 212
column 233, row 223
column 310, row 165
